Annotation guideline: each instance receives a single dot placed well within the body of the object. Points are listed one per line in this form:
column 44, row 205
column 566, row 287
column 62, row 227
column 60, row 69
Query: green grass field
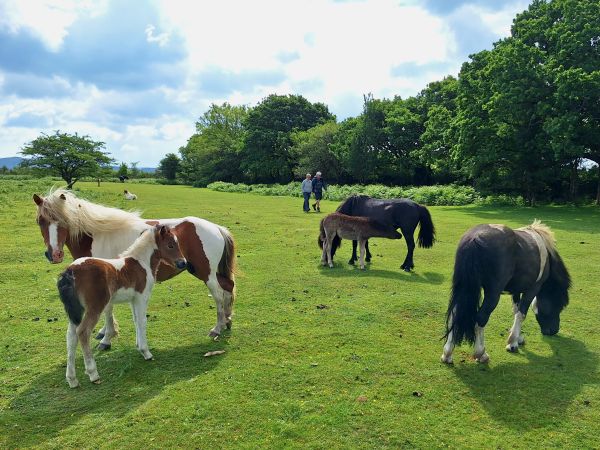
column 294, row 375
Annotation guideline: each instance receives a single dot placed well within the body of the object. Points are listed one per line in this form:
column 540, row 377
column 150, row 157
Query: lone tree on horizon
column 66, row 155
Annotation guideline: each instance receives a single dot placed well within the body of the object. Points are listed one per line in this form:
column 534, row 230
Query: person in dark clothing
column 318, row 184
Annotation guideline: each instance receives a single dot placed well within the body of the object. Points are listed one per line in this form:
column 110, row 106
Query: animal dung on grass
column 214, row 353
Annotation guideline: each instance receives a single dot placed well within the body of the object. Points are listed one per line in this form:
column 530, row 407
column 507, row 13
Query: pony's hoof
column 521, row 341
column 98, row 381
column 73, row 383
column 95, row 377
column 103, row 347
column 214, row 335
column 331, row 266
column 368, row 259
column 362, row 267
column 447, row 359
column 148, row 356
column 406, row 269
column 351, row 262
column 512, row 348
column 228, row 325
column 100, row 336
column 483, row 359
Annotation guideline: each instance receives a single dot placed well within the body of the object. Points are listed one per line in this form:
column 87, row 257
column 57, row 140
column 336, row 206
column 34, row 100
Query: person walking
column 307, row 189
column 318, row 184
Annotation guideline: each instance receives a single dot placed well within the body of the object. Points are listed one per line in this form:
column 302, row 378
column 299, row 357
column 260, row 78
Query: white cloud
column 162, row 39
column 49, row 20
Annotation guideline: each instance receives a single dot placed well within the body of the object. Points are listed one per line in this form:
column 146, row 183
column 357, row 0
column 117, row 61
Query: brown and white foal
column 356, row 228
column 89, row 285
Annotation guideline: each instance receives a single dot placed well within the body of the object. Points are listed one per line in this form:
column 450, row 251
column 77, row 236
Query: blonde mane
column 80, row 216
column 139, row 246
column 544, row 232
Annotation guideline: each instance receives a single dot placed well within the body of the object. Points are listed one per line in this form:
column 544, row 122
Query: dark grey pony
column 400, row 213
column 522, row 262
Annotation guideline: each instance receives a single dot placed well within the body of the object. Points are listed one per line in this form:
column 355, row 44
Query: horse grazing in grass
column 89, row 229
column 89, row 285
column 523, row 262
column 397, row 213
column 341, row 226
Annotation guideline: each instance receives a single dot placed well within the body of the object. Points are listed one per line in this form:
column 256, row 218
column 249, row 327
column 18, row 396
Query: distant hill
column 14, row 161
column 11, row 162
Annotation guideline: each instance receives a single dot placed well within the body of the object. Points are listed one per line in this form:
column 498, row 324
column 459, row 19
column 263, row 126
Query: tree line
column 520, row 119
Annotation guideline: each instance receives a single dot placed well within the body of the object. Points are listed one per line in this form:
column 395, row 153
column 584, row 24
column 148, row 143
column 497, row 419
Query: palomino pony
column 89, row 229
column 88, row 285
column 341, row 226
column 523, row 262
column 400, row 213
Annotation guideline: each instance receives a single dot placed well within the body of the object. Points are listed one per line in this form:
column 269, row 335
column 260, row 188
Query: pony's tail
column 427, row 230
column 227, row 264
column 68, row 296
column 465, row 296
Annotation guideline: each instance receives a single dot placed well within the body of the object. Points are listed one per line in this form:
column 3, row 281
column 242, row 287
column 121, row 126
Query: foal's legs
column 139, row 306
column 71, row 351
column 520, row 308
column 109, row 330
column 362, row 253
column 84, row 330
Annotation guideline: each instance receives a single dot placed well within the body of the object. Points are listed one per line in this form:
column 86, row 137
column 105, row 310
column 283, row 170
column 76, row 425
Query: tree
column 213, row 152
column 122, row 172
column 315, row 150
column 169, row 166
column 68, row 156
column 266, row 156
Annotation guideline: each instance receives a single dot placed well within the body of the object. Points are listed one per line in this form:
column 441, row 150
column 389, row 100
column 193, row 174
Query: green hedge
column 427, row 195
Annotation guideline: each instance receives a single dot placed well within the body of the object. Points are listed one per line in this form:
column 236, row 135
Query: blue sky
column 138, row 74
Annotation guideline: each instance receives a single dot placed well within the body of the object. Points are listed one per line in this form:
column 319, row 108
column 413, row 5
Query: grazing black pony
column 522, row 262
column 400, row 213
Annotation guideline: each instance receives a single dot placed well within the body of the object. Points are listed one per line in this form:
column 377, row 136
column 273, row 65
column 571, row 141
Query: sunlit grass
column 294, row 375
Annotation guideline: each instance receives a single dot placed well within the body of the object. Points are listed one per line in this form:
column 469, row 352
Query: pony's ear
column 37, row 199
column 163, row 230
column 63, row 197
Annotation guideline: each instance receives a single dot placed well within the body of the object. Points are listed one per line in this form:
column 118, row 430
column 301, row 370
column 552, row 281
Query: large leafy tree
column 169, row 166
column 267, row 156
column 69, row 156
column 213, row 152
column 316, row 150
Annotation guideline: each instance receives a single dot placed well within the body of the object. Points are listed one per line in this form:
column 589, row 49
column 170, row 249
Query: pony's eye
column 171, row 246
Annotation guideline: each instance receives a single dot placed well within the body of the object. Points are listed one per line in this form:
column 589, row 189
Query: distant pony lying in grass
column 523, row 262
column 351, row 227
column 90, row 284
column 129, row 195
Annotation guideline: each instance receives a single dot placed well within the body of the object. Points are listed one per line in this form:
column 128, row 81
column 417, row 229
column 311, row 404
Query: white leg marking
column 218, row 294
column 140, row 306
column 71, row 352
column 362, row 254
column 515, row 333
column 479, row 353
column 534, row 306
column 449, row 346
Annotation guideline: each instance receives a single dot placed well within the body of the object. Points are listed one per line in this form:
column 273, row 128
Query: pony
column 89, row 284
column 400, row 213
column 129, row 195
column 341, row 226
column 90, row 229
column 523, row 262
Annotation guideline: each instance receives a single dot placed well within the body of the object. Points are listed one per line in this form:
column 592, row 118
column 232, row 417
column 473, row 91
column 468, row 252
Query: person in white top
column 306, row 191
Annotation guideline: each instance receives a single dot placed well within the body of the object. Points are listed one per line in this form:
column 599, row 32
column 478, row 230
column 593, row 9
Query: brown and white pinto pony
column 356, row 228
column 89, row 285
column 89, row 229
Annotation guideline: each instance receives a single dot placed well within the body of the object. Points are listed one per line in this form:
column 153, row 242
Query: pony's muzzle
column 48, row 255
column 54, row 256
column 181, row 263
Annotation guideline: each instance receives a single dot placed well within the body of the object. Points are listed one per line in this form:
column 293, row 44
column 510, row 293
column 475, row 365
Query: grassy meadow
column 317, row 357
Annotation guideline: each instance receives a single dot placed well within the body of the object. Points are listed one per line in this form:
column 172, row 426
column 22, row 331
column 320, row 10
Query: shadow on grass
column 567, row 218
column 49, row 406
column 412, row 277
column 533, row 391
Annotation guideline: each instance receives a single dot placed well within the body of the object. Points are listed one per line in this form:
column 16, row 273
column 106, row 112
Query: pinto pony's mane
column 146, row 239
column 81, row 216
column 544, row 232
